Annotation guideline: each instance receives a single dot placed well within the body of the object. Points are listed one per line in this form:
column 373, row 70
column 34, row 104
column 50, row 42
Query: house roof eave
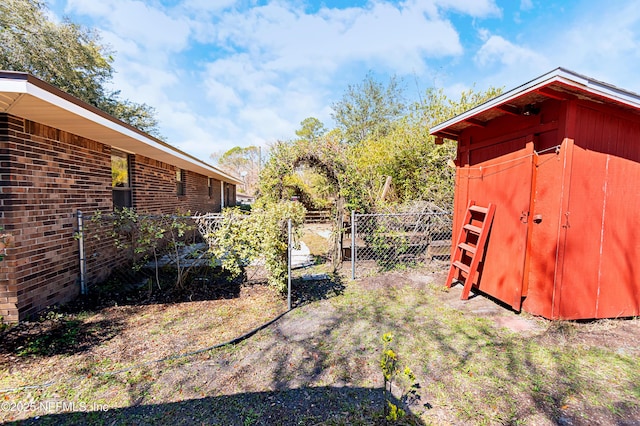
column 27, row 97
column 568, row 79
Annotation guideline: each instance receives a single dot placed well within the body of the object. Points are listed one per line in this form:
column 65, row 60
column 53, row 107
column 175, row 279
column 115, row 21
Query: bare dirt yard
column 474, row 361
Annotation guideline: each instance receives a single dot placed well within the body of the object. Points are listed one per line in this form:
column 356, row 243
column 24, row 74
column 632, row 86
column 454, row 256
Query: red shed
column 559, row 159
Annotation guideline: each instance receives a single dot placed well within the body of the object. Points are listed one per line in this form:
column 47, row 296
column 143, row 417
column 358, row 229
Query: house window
column 120, row 180
column 180, row 182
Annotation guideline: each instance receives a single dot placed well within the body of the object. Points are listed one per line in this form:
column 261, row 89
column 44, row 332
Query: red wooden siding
column 501, row 174
column 564, row 239
column 577, row 255
column 602, row 237
column 545, row 223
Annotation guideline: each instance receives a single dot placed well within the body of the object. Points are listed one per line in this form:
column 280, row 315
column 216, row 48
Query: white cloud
column 200, row 6
column 454, row 91
column 231, row 79
column 135, row 20
column 224, row 73
column 598, row 41
column 614, row 34
column 497, row 50
column 503, row 63
column 143, row 83
column 474, row 8
column 601, row 41
column 285, row 38
column 526, row 5
column 266, row 121
column 274, row 63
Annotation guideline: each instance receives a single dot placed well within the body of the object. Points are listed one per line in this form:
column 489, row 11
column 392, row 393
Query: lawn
column 474, row 361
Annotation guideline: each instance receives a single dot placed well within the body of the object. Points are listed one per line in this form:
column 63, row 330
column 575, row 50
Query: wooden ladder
column 470, row 245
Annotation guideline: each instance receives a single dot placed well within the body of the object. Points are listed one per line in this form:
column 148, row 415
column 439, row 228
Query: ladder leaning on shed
column 470, row 246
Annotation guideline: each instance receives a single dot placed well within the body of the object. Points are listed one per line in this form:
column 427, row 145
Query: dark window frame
column 181, row 187
column 122, row 193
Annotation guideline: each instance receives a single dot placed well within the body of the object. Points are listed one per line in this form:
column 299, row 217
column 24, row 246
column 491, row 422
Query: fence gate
column 386, row 241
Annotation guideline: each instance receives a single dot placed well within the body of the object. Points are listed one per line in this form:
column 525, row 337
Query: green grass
column 470, row 370
column 489, row 375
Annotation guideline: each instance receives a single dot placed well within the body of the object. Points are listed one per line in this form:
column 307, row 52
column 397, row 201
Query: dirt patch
column 318, row 317
column 114, row 338
column 477, row 304
column 476, row 362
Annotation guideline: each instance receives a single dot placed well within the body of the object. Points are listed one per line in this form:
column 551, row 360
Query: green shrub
column 242, row 238
column 394, row 374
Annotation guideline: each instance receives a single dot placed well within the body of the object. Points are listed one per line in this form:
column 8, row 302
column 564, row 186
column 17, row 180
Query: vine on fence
column 235, row 238
column 242, row 238
column 388, row 245
column 145, row 236
column 6, row 240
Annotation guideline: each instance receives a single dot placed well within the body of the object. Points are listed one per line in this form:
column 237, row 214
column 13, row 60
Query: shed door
column 502, row 174
column 600, row 270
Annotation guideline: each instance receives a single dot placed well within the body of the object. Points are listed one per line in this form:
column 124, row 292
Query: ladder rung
column 474, row 229
column 478, row 209
column 470, row 248
column 461, row 266
column 466, row 247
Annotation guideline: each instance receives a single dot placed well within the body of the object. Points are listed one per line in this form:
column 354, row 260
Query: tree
column 244, row 162
column 311, row 129
column 327, row 156
column 418, row 167
column 353, row 173
column 140, row 116
column 67, row 56
column 368, row 110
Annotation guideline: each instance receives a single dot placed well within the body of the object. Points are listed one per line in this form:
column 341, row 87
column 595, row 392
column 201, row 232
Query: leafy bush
column 146, row 237
column 388, row 245
column 6, row 240
column 242, row 238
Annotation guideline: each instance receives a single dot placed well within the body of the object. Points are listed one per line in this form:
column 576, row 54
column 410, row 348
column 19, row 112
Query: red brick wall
column 230, row 195
column 154, row 189
column 154, row 186
column 46, row 176
column 197, row 194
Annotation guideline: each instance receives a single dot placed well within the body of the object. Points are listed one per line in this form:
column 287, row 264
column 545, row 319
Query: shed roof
column 559, row 84
column 26, row 96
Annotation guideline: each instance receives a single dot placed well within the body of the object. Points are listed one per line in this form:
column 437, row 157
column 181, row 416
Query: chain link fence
column 164, row 252
column 158, row 253
column 417, row 235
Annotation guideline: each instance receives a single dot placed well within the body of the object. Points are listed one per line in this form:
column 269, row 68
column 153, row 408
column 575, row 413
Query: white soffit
column 24, row 96
column 561, row 75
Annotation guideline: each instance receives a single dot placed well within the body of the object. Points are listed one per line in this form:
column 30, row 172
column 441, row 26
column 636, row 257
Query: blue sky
column 225, row 73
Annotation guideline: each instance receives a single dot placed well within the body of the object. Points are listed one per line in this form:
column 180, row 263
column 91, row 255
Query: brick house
column 59, row 155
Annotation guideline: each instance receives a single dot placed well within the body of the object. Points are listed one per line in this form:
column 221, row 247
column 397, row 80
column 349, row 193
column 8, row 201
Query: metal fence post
column 81, row 254
column 289, row 249
column 353, row 244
